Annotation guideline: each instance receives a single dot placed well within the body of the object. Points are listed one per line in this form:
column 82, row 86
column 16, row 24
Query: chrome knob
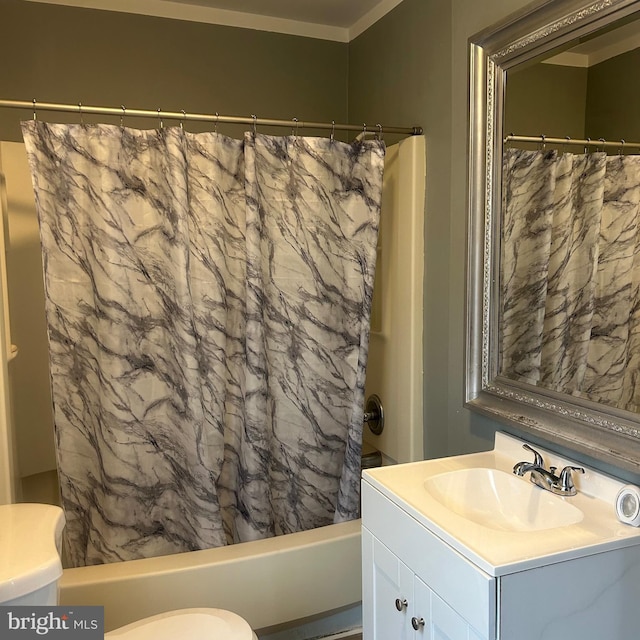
column 417, row 623
column 537, row 458
column 401, row 604
column 374, row 414
column 566, row 481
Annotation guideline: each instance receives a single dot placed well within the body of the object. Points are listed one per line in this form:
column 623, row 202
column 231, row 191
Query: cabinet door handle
column 401, row 604
column 417, row 623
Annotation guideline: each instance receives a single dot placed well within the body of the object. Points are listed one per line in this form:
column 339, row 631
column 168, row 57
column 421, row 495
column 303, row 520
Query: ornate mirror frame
column 604, row 433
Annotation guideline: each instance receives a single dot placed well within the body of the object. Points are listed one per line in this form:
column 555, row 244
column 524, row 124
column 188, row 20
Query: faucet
column 561, row 485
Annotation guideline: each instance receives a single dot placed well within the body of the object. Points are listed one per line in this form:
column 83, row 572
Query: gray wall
column 400, row 71
column 467, row 431
column 546, row 99
column 56, row 53
column 613, row 99
column 412, row 65
column 65, row 54
column 409, row 68
column 602, row 101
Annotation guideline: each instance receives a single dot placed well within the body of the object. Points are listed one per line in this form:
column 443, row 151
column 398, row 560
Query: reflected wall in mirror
column 553, row 320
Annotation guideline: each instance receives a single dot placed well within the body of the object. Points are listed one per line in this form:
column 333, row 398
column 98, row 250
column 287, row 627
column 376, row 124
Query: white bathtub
column 267, row 582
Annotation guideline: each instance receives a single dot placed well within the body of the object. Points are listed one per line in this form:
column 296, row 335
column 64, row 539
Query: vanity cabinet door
column 446, row 624
column 467, row 590
column 434, row 619
column 398, row 605
column 449, row 597
column 387, row 600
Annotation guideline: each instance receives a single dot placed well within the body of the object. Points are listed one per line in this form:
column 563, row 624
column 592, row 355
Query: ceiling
column 340, row 20
column 601, row 47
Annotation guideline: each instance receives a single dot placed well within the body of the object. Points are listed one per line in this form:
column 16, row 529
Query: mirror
column 528, row 365
column 569, row 254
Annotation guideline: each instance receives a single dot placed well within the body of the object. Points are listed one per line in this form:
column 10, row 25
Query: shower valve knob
column 374, row 414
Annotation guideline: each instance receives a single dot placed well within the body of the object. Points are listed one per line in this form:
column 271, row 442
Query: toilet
column 30, row 567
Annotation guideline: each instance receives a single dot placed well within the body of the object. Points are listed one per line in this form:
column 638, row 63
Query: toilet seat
column 187, row 624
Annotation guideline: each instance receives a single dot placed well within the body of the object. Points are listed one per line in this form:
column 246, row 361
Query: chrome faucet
column 561, row 485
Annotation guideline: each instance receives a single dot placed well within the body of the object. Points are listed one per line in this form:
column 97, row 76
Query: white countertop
column 500, row 552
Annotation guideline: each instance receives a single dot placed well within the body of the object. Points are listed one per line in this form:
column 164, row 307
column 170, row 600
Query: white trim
column 615, row 49
column 573, row 59
column 568, row 59
column 371, row 17
column 225, row 17
column 209, row 15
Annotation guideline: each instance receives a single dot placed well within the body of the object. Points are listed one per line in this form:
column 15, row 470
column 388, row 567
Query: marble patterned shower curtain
column 569, row 274
column 208, row 303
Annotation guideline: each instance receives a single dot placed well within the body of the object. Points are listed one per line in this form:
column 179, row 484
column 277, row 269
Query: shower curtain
column 208, row 304
column 571, row 274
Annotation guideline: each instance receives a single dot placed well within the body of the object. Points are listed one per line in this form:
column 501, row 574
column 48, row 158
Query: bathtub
column 268, row 582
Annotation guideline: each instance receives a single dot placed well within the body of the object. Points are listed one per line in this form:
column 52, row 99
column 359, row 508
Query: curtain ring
column 215, row 126
column 255, row 128
column 586, row 146
column 160, row 118
column 568, row 139
column 35, row 115
column 621, row 149
column 379, row 131
column 543, row 144
column 294, row 132
column 124, row 113
column 80, row 111
column 364, row 131
column 184, row 117
column 603, row 141
column 333, row 130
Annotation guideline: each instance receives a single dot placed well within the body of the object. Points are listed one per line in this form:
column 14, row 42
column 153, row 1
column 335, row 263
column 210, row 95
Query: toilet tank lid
column 30, row 536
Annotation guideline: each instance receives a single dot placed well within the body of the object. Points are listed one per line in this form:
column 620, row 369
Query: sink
column 501, row 522
column 500, row 500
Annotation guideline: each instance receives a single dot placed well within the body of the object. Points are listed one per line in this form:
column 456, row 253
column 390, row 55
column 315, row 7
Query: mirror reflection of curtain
column 570, row 311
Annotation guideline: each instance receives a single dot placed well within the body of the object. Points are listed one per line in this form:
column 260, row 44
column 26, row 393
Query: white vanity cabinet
column 400, row 605
column 428, row 575
column 410, row 577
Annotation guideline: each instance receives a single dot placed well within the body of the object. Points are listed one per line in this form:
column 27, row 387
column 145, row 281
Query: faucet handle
column 566, row 479
column 538, row 461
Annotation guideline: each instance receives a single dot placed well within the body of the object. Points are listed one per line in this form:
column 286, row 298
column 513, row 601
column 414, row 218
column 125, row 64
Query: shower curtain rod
column 182, row 116
column 601, row 142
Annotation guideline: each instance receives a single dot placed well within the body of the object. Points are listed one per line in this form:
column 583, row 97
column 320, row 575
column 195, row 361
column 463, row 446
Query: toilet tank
column 30, row 565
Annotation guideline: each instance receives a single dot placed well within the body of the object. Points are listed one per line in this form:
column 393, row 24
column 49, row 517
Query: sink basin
column 503, row 523
column 500, row 500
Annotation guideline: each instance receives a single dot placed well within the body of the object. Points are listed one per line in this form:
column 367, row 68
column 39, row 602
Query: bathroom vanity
column 460, row 548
